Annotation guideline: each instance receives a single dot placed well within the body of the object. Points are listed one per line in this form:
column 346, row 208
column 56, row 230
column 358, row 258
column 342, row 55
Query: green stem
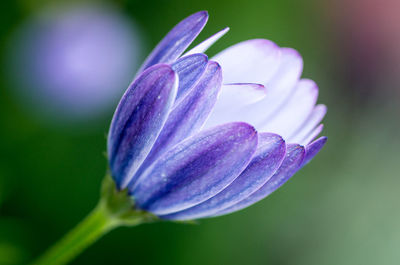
column 114, row 209
column 95, row 225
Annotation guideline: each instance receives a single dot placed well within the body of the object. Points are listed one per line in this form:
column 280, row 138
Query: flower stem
column 114, row 209
column 95, row 225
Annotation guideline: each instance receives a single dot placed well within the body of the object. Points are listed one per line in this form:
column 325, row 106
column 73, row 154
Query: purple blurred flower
column 194, row 138
column 75, row 60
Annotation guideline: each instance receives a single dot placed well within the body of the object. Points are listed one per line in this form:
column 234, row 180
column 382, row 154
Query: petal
column 187, row 116
column 234, row 96
column 204, row 45
column 311, row 136
column 283, row 81
column 312, row 121
column 293, row 160
column 295, row 111
column 196, row 169
column 252, row 61
column 313, row 149
column 243, row 93
column 267, row 159
column 177, row 40
column 189, row 69
column 138, row 120
column 278, row 90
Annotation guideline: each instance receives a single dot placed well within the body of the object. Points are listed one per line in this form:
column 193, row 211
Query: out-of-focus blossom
column 194, row 138
column 74, row 62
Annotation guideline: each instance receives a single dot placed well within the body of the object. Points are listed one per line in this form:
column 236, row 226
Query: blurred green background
column 341, row 209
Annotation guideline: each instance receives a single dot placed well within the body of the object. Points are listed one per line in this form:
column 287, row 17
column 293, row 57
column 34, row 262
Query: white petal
column 312, row 135
column 295, row 110
column 284, row 81
column 234, row 96
column 204, row 45
column 312, row 121
column 242, row 93
column 279, row 88
column 252, row 61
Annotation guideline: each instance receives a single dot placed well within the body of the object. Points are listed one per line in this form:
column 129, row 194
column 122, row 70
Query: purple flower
column 75, row 60
column 194, row 137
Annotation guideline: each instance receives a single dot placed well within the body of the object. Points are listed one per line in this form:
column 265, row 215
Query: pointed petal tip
column 217, row 70
column 214, row 64
column 214, row 69
column 203, row 13
column 223, row 31
column 163, row 68
column 323, row 139
column 198, row 56
column 313, row 149
column 177, row 40
column 300, row 153
column 166, row 70
column 241, row 127
column 189, row 68
column 246, row 125
column 275, row 136
column 300, row 147
column 297, row 149
column 207, row 43
column 200, row 15
column 319, row 143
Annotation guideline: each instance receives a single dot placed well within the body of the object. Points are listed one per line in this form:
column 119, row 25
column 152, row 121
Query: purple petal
column 189, row 69
column 187, row 116
column 177, row 40
column 267, row 159
column 252, row 61
column 204, row 45
column 313, row 149
column 196, row 169
column 138, row 120
column 293, row 160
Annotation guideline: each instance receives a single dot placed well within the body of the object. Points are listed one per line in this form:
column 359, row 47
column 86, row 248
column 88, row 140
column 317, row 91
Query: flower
column 75, row 59
column 194, row 138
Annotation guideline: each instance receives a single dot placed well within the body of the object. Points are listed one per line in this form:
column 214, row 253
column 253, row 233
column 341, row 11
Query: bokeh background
column 344, row 208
